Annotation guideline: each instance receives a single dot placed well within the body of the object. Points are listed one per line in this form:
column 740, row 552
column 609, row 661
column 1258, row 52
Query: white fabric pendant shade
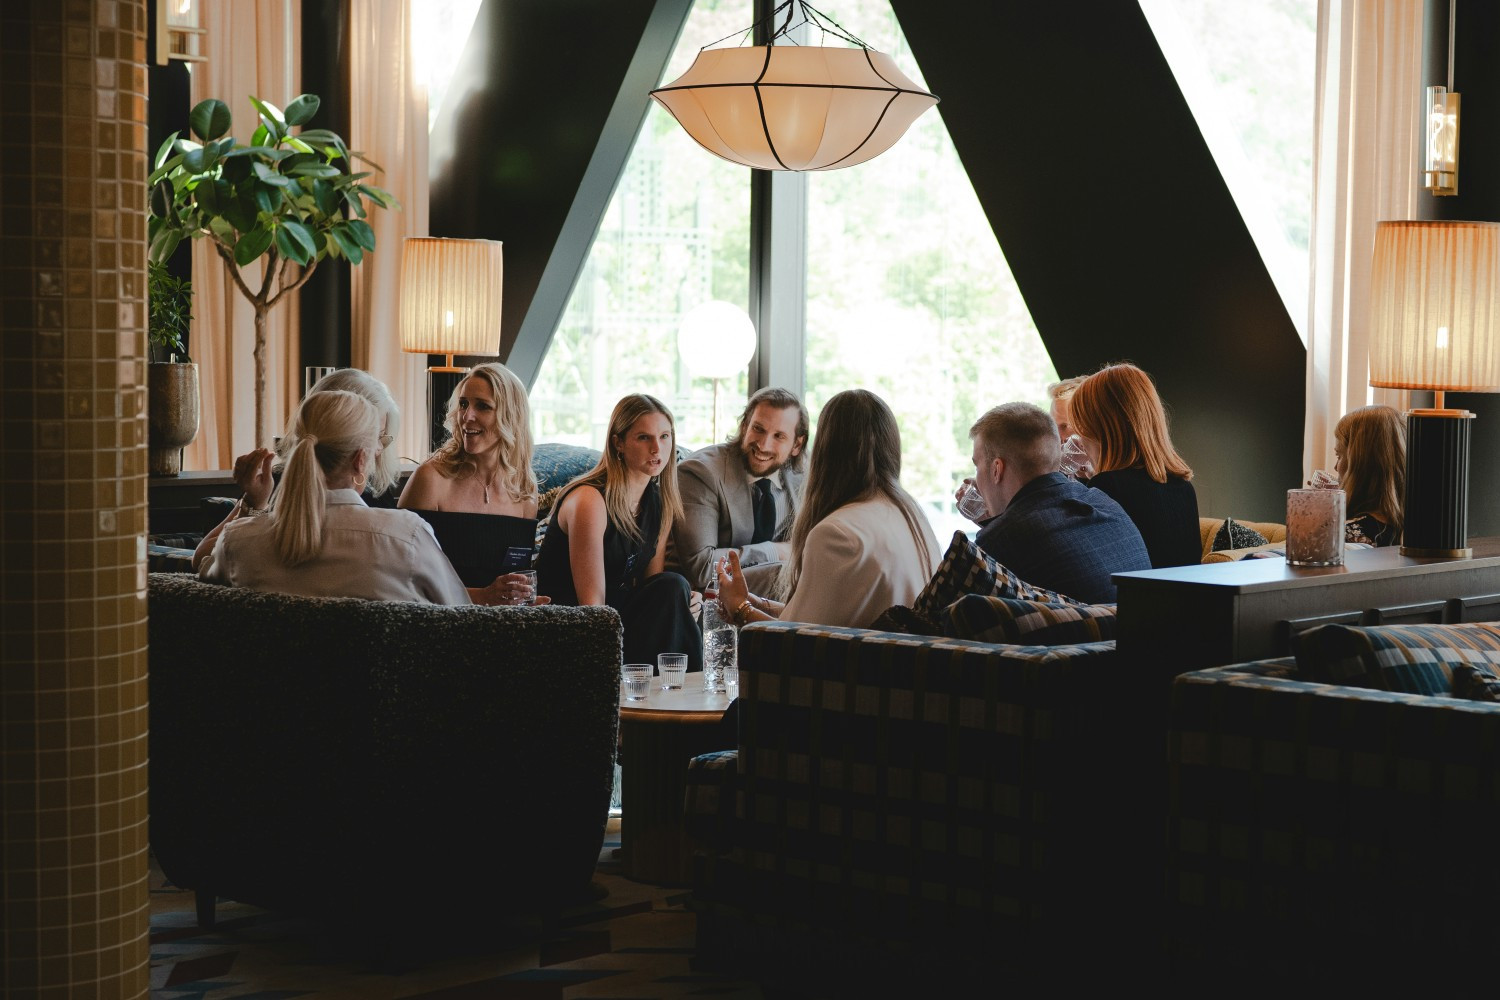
column 1435, row 306
column 451, row 296
column 791, row 107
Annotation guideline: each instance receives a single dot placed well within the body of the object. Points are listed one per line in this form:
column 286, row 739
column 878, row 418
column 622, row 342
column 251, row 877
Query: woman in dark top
column 1119, row 417
column 1369, row 446
column 606, row 541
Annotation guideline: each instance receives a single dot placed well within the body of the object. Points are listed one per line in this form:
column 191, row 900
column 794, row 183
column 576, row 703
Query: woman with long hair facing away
column 484, row 471
column 1369, row 445
column 860, row 543
column 606, row 541
column 254, row 476
column 320, row 539
column 1119, row 417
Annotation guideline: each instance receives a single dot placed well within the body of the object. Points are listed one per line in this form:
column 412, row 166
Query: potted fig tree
column 171, row 376
column 286, row 200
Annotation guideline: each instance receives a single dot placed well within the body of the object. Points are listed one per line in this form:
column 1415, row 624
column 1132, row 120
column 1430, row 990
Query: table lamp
column 1434, row 311
column 450, row 304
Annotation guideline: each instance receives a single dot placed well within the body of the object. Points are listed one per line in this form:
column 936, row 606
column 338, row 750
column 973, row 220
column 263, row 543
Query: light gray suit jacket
column 718, row 514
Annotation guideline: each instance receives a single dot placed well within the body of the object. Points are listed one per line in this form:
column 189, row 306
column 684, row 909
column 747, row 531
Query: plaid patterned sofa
column 1329, row 834
column 380, row 762
column 912, row 809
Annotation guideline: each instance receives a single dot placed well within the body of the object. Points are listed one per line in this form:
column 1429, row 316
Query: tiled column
column 73, row 499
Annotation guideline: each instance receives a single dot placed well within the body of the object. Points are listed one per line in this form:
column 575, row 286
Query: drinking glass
column 530, row 575
column 673, row 667
column 972, row 505
column 1315, row 527
column 637, row 677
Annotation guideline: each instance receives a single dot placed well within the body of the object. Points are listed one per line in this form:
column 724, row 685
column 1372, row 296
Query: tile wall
column 73, row 499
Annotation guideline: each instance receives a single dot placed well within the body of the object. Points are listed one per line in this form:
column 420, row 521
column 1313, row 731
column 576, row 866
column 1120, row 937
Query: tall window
column 1248, row 71
column 676, row 234
column 910, row 296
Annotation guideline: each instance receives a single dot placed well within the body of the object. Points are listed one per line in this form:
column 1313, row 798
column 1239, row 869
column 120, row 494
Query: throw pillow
column 1029, row 623
column 968, row 569
column 905, row 621
column 1414, row 659
column 1234, row 535
column 1475, row 683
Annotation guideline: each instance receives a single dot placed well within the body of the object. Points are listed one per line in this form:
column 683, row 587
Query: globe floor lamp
column 716, row 340
column 1435, row 324
column 450, row 305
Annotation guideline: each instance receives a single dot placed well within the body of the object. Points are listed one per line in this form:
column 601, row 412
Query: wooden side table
column 658, row 737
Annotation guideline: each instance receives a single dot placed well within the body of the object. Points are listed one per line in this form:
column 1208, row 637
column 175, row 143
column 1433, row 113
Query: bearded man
column 742, row 495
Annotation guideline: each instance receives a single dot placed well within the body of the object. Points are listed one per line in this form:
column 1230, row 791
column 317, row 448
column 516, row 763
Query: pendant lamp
column 795, row 107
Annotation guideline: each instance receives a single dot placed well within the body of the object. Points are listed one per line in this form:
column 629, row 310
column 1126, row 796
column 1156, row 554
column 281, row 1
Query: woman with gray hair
column 254, row 475
column 320, row 539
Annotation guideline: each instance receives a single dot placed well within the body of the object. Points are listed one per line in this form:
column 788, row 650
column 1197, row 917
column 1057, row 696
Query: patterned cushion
column 905, row 621
column 557, row 464
column 968, row 569
column 1031, row 623
column 1414, row 659
column 1234, row 535
column 1475, row 683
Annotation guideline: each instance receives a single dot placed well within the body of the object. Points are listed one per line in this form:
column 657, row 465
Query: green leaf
column 288, row 247
column 326, row 198
column 296, row 143
column 265, row 198
column 210, row 119
column 207, row 197
column 271, row 115
column 323, row 138
column 346, row 244
column 302, row 109
column 166, row 168
column 269, row 176
column 164, row 149
column 222, row 228
column 164, row 245
column 363, row 234
column 241, row 213
column 302, row 236
column 314, row 170
column 252, row 245
column 161, row 199
column 261, row 135
column 380, row 196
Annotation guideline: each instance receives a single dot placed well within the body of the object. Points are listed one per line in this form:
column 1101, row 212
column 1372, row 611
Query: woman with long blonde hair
column 1119, row 417
column 1369, row 445
column 484, row 468
column 860, row 543
column 606, row 540
column 319, row 539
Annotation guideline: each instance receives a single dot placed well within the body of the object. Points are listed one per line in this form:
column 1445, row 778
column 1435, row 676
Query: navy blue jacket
column 1060, row 534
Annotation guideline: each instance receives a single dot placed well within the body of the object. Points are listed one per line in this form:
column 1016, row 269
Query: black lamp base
column 440, row 385
column 1436, row 510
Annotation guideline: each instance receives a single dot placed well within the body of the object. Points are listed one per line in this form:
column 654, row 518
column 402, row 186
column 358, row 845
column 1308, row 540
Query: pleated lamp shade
column 1435, row 306
column 794, row 107
column 450, row 296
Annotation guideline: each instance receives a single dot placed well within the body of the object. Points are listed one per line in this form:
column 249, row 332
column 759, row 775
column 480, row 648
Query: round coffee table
column 658, row 737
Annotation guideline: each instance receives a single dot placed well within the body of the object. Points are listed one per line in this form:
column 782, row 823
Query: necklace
column 488, row 485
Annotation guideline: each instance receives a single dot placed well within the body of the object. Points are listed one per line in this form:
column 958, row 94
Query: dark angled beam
column 547, row 101
column 1121, row 234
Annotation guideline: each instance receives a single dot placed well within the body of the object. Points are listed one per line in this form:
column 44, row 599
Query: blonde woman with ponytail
column 320, row 539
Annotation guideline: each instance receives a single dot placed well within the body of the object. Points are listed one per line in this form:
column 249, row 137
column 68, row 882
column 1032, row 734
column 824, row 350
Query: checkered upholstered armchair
column 1323, row 832
column 909, row 809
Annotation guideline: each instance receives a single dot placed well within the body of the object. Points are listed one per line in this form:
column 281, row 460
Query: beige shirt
column 369, row 552
column 860, row 560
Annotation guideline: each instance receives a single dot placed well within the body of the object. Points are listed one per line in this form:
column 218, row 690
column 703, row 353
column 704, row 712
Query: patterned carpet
column 636, row 941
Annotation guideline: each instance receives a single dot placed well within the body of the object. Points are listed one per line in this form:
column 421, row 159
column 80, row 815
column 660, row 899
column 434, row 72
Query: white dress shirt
column 858, row 561
column 369, row 552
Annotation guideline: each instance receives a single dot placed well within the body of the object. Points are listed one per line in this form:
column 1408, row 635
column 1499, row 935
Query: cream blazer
column 860, row 560
column 369, row 552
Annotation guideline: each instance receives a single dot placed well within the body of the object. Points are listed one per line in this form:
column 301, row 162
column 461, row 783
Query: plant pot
column 171, row 413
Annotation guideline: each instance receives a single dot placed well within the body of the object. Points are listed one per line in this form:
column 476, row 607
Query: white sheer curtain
column 389, row 124
column 253, row 47
column 1365, row 170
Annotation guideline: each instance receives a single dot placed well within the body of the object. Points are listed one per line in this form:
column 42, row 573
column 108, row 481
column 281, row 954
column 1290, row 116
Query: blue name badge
column 516, row 557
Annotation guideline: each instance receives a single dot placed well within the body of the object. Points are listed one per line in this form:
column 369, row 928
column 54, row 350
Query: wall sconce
column 178, row 33
column 1435, row 324
column 450, row 304
column 794, row 107
column 1440, row 166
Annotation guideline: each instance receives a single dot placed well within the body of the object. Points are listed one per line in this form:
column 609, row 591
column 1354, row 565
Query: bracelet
column 739, row 612
column 245, row 509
